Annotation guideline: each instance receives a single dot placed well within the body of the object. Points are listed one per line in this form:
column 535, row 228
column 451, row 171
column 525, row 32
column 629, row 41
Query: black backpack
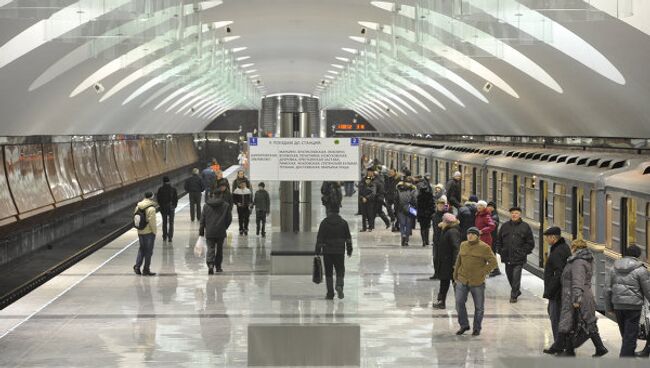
column 140, row 218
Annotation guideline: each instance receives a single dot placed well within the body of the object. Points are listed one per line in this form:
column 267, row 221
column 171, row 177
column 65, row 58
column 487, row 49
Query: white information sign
column 304, row 159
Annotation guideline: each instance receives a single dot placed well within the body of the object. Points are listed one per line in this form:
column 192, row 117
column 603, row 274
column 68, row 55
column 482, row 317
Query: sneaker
column 551, row 351
column 434, row 277
column 137, row 270
column 476, row 333
column 148, row 273
column 339, row 291
column 329, row 297
column 462, row 330
column 439, row 305
column 513, row 300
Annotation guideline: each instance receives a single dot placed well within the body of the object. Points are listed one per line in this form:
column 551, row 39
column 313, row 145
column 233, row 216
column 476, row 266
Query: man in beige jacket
column 146, row 233
column 474, row 263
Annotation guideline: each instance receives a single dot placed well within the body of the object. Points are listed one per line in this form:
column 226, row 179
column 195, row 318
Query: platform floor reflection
column 99, row 313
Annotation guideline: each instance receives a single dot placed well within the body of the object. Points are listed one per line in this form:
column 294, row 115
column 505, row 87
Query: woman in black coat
column 448, row 247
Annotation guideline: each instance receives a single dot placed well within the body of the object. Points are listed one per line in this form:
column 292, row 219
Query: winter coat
column 367, row 191
column 576, row 288
column 167, row 197
column 151, row 206
column 216, row 216
column 467, row 218
column 424, row 201
column 242, row 197
column 485, row 223
column 334, row 236
column 390, row 188
column 453, row 192
column 209, row 177
column 628, row 285
column 405, row 197
column 262, row 201
column 436, row 219
column 555, row 263
column 474, row 262
column 514, row 242
column 448, row 247
column 331, row 194
column 194, row 184
column 235, row 184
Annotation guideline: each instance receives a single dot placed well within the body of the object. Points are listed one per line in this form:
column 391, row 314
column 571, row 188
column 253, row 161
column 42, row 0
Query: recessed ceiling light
column 329, row 77
column 338, row 66
column 250, row 71
column 230, row 38
column 243, row 58
column 333, row 71
column 247, row 65
column 358, row 39
column 351, row 51
column 238, row 49
column 345, row 60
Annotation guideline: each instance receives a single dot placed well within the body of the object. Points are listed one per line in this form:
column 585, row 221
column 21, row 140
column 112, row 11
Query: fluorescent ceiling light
column 230, row 38
column 250, row 71
column 241, row 58
column 339, row 58
column 254, row 76
column 359, row 39
column 329, row 77
column 247, row 65
column 351, row 51
column 338, row 66
column 333, row 72
column 238, row 49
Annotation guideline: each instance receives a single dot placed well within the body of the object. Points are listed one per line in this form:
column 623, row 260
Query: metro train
column 601, row 197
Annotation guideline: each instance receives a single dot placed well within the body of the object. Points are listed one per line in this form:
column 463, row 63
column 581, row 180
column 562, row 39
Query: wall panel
column 124, row 162
column 8, row 210
column 140, row 164
column 85, row 164
column 27, row 179
column 59, row 167
column 108, row 170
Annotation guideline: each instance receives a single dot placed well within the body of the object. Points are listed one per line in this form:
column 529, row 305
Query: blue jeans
column 404, row 224
column 478, row 295
column 146, row 250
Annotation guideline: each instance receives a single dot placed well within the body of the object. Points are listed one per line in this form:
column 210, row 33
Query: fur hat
column 448, row 218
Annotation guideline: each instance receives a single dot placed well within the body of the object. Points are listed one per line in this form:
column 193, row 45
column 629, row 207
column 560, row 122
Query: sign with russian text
column 304, row 159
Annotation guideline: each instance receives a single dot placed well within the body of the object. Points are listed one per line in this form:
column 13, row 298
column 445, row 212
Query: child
column 262, row 205
column 242, row 198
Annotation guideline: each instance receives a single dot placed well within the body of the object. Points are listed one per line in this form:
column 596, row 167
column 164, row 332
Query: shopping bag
column 317, row 274
column 580, row 332
column 644, row 323
column 200, row 247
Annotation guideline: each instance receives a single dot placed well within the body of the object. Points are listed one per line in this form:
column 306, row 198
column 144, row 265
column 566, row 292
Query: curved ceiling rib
column 112, row 38
column 60, row 23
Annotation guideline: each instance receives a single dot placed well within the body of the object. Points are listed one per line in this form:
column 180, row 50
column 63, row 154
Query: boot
column 406, row 241
column 440, row 304
column 403, row 241
column 329, row 282
column 598, row 344
column 643, row 353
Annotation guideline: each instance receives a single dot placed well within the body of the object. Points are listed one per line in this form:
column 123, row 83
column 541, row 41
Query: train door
column 515, row 190
column 543, row 221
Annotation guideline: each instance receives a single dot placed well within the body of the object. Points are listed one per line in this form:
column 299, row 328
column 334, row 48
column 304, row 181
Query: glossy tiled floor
column 100, row 314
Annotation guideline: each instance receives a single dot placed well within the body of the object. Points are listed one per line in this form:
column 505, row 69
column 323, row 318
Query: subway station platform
column 100, row 314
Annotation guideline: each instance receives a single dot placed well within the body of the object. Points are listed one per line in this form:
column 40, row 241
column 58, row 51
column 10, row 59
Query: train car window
column 605, row 163
column 593, row 162
column 561, row 159
column 609, row 218
column 559, row 205
column 529, row 197
column 582, row 161
column 592, row 216
column 506, row 186
column 618, row 164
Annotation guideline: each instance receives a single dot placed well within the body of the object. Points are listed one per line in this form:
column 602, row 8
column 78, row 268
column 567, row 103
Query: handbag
column 317, row 273
column 200, row 247
column 644, row 323
column 580, row 332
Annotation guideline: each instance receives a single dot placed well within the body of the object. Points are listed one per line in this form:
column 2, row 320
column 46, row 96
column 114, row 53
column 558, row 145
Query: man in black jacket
column 331, row 195
column 390, row 196
column 367, row 194
column 217, row 216
column 167, row 199
column 514, row 242
column 333, row 241
column 380, row 189
column 194, row 188
column 557, row 259
column 454, row 190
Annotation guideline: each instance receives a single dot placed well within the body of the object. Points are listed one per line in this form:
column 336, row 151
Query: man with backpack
column 144, row 219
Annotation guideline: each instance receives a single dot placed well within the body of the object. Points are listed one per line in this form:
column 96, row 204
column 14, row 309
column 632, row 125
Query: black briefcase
column 317, row 273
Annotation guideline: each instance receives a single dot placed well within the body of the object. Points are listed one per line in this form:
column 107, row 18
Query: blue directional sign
column 354, row 141
column 252, row 141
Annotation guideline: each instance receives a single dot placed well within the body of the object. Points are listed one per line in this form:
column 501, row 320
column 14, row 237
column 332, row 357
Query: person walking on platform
column 555, row 263
column 241, row 178
column 467, row 216
column 578, row 301
column 243, row 199
column 484, row 222
column 390, row 196
column 262, row 204
column 217, row 216
column 628, row 288
column 514, row 242
column 209, row 177
column 367, row 194
column 219, row 181
column 406, row 201
column 215, row 165
column 145, row 217
column 425, row 208
column 492, row 207
column 436, row 220
column 333, row 241
column 378, row 181
column 474, row 263
column 194, row 188
column 167, row 198
column 453, row 189
column 448, row 246
column 331, row 195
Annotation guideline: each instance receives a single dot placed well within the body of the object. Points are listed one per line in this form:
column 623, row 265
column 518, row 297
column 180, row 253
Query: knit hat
column 554, row 230
column 473, row 198
column 448, row 218
column 481, row 203
column 473, row 230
